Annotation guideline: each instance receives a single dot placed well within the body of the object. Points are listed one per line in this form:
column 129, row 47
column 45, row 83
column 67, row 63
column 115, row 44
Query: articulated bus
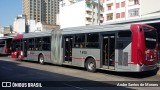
column 5, row 45
column 121, row 48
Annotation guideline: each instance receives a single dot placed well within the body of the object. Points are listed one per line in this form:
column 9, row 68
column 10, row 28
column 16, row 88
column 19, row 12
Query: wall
column 150, row 7
column 72, row 15
column 32, row 25
column 19, row 25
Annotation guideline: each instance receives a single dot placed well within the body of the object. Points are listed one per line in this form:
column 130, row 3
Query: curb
column 158, row 73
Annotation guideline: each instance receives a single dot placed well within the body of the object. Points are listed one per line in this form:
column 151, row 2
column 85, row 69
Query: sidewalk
column 158, row 73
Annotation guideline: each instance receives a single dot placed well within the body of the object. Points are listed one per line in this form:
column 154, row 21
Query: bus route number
column 83, row 52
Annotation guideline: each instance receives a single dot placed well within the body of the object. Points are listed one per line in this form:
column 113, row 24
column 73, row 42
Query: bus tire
column 41, row 59
column 90, row 65
column 155, row 71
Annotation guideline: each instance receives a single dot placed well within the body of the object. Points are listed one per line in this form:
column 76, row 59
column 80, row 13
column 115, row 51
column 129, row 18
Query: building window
column 136, row 2
column 117, row 5
column 117, row 15
column 109, row 7
column 109, row 17
column 122, row 14
column 133, row 12
column 123, row 4
column 46, row 45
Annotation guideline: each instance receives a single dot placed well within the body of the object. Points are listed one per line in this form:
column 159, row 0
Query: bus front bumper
column 149, row 67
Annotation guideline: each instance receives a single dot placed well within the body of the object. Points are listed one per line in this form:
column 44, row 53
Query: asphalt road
column 67, row 77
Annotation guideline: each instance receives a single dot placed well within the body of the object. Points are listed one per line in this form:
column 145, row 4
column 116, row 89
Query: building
column 117, row 10
column 5, row 30
column 34, row 26
column 122, row 10
column 19, row 24
column 74, row 13
column 150, row 8
column 41, row 10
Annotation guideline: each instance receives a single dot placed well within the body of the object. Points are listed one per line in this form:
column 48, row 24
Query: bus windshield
column 150, row 38
column 15, row 45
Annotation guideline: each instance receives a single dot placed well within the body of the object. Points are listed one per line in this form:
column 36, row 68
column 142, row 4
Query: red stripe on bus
column 46, row 55
column 78, row 58
column 128, row 63
column 83, row 59
column 97, row 60
column 37, row 55
column 33, row 54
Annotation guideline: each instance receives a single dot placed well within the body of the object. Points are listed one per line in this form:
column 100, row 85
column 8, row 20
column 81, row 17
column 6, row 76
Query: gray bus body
column 5, row 42
column 78, row 55
column 99, row 43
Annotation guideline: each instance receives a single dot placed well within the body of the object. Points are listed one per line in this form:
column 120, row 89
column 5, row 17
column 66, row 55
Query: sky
column 9, row 9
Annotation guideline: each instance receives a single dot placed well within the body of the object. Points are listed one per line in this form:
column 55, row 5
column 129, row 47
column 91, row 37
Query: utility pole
column 99, row 12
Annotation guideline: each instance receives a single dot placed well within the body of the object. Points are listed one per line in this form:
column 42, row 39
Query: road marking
column 6, row 68
column 74, row 86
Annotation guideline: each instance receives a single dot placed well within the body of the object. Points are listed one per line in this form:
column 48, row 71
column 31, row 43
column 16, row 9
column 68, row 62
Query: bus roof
column 82, row 29
column 95, row 28
column 19, row 36
column 6, row 37
column 37, row 34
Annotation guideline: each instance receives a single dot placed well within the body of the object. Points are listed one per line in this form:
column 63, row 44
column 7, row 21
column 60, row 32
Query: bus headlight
column 21, row 53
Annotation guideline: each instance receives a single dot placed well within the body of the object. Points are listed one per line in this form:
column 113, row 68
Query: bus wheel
column 91, row 65
column 41, row 59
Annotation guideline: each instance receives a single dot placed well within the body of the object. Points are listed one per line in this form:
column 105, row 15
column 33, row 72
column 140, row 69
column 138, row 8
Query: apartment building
column 41, row 10
column 116, row 10
column 74, row 13
column 124, row 10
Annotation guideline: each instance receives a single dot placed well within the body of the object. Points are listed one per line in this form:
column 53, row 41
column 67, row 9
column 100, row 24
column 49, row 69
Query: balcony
column 109, row 1
column 109, row 8
column 101, row 12
column 101, row 18
column 88, row 9
column 133, row 2
column 88, row 22
column 88, row 15
column 72, row 0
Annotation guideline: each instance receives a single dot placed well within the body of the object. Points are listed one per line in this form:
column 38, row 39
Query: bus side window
column 123, row 39
column 31, row 44
column 92, row 41
column 46, row 43
column 79, row 41
column 38, row 43
column 120, row 45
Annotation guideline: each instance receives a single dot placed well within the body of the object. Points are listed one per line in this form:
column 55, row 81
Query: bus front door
column 108, row 51
column 68, row 49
